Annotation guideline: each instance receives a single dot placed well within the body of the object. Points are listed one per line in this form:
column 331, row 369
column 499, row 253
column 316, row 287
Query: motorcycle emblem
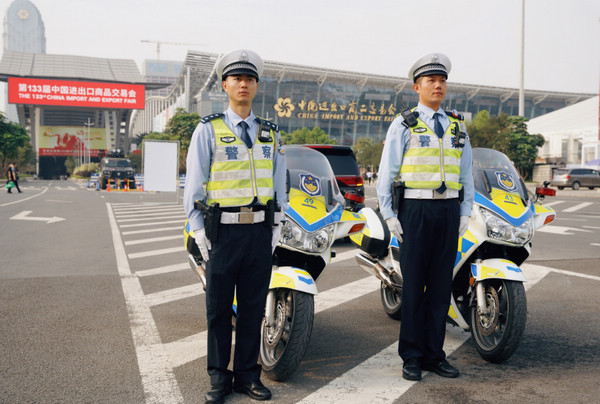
column 506, row 181
column 310, row 184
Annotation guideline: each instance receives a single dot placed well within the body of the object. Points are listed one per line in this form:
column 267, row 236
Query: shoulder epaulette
column 209, row 118
column 271, row 125
column 454, row 114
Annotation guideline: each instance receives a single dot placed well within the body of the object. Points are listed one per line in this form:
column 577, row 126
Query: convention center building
column 346, row 105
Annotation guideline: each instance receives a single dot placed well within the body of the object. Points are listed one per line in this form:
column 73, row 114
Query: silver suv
column 576, row 178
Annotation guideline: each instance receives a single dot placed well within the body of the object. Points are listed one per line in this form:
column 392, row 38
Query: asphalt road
column 98, row 305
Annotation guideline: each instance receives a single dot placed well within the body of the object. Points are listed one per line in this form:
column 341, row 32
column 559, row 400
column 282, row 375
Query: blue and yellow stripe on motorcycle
column 497, row 268
column 293, row 278
column 507, row 205
column 465, row 244
column 310, row 212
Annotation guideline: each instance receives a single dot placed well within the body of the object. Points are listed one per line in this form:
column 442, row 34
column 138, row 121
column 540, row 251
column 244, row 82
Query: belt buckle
column 437, row 195
column 246, row 217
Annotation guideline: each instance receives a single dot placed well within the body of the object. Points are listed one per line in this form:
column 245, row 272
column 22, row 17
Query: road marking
column 163, row 270
column 25, row 216
column 596, row 244
column 25, row 199
column 560, row 230
column 126, row 233
column 344, row 256
column 153, row 240
column 379, row 378
column 181, row 222
column 171, row 295
column 134, row 208
column 150, row 215
column 577, row 207
column 592, row 227
column 553, row 203
column 181, row 216
column 152, row 253
column 158, row 380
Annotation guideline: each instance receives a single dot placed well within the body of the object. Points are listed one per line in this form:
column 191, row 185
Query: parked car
column 117, row 170
column 344, row 165
column 576, row 178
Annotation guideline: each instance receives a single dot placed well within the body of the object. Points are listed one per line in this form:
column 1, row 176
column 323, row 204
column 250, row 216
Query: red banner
column 75, row 93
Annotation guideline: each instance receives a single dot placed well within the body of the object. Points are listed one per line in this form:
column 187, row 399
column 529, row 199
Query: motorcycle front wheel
column 283, row 345
column 497, row 334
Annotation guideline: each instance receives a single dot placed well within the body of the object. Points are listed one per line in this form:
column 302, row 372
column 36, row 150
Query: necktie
column 439, row 131
column 245, row 135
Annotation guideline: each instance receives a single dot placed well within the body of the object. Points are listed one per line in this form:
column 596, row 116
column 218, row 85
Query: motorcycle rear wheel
column 391, row 299
column 283, row 345
column 497, row 335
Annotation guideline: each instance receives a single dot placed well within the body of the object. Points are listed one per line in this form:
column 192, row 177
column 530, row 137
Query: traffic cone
column 127, row 186
column 108, row 186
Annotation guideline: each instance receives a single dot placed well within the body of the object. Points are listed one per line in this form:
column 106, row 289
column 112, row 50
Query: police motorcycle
column 488, row 298
column 315, row 219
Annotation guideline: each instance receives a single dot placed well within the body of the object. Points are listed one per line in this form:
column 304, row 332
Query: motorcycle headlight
column 296, row 237
column 500, row 229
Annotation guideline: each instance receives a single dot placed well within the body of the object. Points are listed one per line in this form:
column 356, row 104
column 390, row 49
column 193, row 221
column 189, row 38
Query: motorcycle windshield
column 309, row 172
column 492, row 170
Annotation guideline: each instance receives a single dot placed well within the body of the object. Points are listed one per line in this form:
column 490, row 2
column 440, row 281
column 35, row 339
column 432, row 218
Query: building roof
column 70, row 67
column 576, row 119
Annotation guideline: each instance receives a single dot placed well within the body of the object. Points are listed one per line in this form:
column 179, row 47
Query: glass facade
column 346, row 105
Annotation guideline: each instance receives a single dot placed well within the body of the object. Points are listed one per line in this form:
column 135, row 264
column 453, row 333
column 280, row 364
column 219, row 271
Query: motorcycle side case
column 374, row 239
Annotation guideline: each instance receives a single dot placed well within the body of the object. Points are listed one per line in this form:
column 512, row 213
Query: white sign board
column 161, row 165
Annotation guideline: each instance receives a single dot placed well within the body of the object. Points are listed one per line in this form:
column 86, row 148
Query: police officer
column 240, row 159
column 428, row 151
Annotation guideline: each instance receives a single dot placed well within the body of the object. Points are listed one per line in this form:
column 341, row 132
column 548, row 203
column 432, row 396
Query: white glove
column 395, row 227
column 464, row 223
column 202, row 242
column 276, row 234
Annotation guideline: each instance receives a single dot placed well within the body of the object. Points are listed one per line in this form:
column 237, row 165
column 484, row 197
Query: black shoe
column 411, row 370
column 443, row 369
column 255, row 390
column 217, row 393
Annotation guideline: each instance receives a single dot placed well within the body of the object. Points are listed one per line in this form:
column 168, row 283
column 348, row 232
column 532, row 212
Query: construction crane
column 158, row 43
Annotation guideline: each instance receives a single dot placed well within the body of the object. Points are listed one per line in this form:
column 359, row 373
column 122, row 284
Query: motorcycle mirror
column 287, row 181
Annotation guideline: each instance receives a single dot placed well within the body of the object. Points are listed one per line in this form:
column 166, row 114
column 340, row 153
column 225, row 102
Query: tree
column 523, row 147
column 181, row 127
column 509, row 135
column 368, row 151
column 315, row 135
column 13, row 143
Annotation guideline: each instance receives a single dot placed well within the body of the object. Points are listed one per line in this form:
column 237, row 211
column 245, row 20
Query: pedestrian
column 430, row 152
column 240, row 159
column 12, row 174
column 369, row 176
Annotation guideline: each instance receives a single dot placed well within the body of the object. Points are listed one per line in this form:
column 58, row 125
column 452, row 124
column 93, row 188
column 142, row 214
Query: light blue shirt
column 200, row 158
column 396, row 143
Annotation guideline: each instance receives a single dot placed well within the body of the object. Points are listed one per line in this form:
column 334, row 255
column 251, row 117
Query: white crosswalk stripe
column 377, row 379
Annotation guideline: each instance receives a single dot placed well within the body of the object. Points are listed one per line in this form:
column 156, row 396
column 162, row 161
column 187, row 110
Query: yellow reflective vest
column 429, row 160
column 238, row 174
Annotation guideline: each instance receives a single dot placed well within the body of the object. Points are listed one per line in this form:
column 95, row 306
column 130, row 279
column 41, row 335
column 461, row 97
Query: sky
column 482, row 38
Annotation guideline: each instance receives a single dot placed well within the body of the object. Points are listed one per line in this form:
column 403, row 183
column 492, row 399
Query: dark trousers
column 427, row 256
column 240, row 261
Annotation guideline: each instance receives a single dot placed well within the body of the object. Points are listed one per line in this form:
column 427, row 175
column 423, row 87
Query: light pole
column 88, row 139
column 521, row 90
